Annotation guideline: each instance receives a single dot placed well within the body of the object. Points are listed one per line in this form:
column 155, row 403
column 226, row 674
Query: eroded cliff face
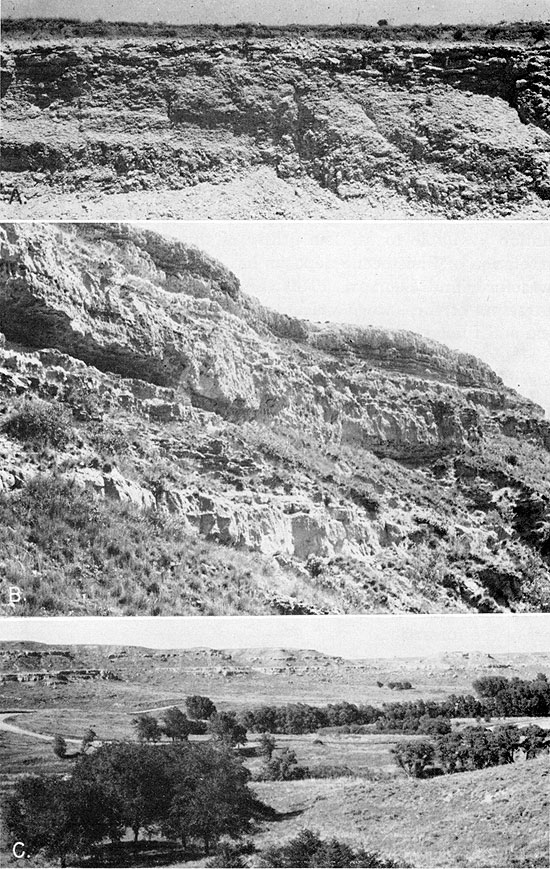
column 429, row 128
column 383, row 469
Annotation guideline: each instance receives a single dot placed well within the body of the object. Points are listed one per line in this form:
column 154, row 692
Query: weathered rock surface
column 383, row 469
column 454, row 130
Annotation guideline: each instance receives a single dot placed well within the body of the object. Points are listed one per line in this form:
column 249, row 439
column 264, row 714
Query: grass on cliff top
column 40, row 28
column 73, row 554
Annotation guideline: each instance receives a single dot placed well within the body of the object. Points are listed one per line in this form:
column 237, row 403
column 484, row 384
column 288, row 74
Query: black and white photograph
column 378, row 741
column 268, row 109
column 171, row 444
column 275, row 434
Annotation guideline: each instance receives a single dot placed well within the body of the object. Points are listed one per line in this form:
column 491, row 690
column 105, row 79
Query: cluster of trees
column 514, row 697
column 60, row 744
column 497, row 697
column 177, row 726
column 411, row 717
column 469, row 749
column 193, row 793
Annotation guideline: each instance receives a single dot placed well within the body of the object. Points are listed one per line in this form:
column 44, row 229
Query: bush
column 230, row 856
column 284, row 767
column 84, row 401
column 59, row 746
column 308, row 849
column 40, row 424
column 538, row 32
column 328, row 770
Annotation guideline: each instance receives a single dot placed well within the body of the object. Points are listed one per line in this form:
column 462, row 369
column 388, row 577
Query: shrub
column 284, row 767
column 59, row 746
column 227, row 856
column 329, row 770
column 538, row 32
column 308, row 849
column 40, row 424
column 83, row 401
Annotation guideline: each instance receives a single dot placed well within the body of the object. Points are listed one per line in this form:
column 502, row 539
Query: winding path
column 21, row 731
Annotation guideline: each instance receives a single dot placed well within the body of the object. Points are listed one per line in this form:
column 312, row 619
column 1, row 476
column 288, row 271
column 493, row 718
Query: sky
column 481, row 287
column 377, row 636
column 285, row 11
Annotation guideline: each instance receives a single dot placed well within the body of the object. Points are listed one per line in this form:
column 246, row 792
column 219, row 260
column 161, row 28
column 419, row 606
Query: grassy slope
column 116, row 561
column 495, row 817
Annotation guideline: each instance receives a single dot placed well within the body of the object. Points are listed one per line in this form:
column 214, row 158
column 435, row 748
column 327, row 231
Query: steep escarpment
column 250, row 461
column 352, row 126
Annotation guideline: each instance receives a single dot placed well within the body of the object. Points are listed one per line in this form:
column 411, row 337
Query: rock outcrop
column 383, row 469
column 449, row 129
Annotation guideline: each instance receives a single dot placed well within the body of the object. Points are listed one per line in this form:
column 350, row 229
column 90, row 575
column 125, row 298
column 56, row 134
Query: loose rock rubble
column 351, row 127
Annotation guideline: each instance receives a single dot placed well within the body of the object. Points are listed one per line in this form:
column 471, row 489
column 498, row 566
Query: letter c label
column 16, row 853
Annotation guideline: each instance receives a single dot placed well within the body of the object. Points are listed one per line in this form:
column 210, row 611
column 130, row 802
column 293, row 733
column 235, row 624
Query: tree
column 225, row 727
column 434, row 726
column 56, row 817
column 284, row 767
column 382, row 22
column 147, row 728
column 507, row 739
column 59, row 746
column 267, row 745
column 199, row 708
column 534, row 741
column 414, row 757
column 135, row 780
column 87, row 740
column 211, row 797
column 177, row 726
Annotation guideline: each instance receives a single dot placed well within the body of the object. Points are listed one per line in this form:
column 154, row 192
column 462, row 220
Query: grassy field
column 494, row 817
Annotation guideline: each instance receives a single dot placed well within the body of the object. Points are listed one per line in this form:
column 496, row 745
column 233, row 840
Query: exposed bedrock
column 458, row 128
column 388, row 470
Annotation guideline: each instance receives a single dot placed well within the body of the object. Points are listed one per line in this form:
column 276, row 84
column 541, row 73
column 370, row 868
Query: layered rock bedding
column 281, row 126
column 243, row 460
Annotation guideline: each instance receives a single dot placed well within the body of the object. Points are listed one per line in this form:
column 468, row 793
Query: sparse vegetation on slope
column 225, row 459
column 76, row 555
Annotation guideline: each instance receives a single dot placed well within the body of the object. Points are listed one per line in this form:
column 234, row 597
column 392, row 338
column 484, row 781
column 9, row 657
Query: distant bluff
column 281, row 126
column 327, row 468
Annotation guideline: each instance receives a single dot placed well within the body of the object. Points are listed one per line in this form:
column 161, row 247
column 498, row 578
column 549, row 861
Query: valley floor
column 493, row 817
